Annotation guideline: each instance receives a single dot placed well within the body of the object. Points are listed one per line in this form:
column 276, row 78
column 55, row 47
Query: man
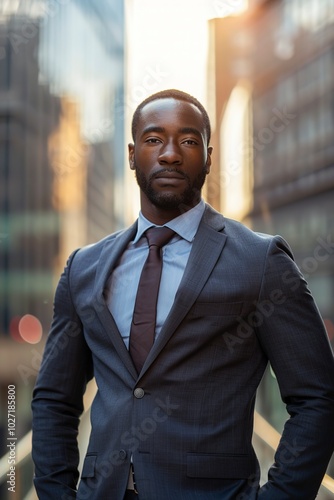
column 230, row 300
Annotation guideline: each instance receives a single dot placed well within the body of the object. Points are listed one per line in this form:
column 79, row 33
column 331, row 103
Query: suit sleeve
column 58, row 399
column 293, row 336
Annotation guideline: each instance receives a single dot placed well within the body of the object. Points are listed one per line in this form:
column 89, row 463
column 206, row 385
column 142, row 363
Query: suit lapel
column 207, row 247
column 206, row 250
column 110, row 254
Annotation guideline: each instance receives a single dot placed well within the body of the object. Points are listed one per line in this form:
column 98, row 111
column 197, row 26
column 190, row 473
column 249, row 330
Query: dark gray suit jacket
column 187, row 419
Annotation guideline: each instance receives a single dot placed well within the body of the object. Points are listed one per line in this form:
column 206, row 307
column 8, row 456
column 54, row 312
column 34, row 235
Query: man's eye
column 152, row 140
column 190, row 141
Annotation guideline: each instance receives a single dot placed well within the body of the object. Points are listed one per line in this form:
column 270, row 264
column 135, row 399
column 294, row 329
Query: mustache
column 168, row 170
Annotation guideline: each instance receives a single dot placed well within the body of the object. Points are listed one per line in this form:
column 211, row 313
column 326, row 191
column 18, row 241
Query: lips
column 169, row 175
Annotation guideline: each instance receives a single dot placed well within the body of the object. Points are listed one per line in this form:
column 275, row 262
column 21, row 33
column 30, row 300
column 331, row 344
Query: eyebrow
column 161, row 130
column 153, row 128
column 190, row 130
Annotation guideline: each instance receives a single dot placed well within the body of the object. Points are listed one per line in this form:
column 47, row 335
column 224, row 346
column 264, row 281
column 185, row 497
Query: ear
column 208, row 160
column 131, row 149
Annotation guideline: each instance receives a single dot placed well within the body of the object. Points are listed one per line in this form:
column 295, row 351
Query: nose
column 170, row 154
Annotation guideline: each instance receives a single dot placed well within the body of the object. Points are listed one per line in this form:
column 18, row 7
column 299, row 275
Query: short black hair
column 173, row 94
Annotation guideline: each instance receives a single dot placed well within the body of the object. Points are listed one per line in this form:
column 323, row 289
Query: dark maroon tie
column 144, row 316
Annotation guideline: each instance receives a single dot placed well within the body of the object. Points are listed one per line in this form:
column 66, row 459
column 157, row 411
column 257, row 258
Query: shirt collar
column 185, row 225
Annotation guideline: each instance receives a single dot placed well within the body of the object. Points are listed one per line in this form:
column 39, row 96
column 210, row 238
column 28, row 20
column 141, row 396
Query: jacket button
column 122, row 454
column 139, row 393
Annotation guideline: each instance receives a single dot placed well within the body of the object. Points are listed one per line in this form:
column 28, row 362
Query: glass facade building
column 293, row 133
column 273, row 70
column 61, row 167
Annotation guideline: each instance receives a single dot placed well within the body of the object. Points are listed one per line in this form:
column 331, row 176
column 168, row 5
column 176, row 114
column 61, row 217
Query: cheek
column 198, row 162
column 144, row 157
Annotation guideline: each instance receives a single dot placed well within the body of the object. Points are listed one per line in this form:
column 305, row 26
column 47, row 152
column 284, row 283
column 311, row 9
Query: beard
column 168, row 201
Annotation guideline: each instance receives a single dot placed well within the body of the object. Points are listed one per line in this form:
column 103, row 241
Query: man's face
column 170, row 156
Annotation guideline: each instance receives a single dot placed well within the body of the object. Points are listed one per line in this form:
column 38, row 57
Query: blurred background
column 71, row 75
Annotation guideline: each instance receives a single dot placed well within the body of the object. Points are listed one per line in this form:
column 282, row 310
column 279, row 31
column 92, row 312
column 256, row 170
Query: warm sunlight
column 167, row 43
column 167, row 47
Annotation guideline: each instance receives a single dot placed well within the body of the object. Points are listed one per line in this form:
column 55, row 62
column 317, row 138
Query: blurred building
column 271, row 97
column 61, row 169
column 29, row 225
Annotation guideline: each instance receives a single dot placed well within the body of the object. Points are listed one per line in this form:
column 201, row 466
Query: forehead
column 170, row 110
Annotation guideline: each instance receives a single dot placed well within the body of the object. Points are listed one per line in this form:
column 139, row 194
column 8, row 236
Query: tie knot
column 159, row 236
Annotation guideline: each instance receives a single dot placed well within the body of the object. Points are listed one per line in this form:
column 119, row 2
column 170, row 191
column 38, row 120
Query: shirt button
column 139, row 393
column 122, row 454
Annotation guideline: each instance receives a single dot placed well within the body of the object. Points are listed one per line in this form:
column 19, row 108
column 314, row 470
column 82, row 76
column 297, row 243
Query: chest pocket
column 202, row 309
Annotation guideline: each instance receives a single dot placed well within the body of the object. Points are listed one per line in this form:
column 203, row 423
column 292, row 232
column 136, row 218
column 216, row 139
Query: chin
column 171, row 201
column 167, row 201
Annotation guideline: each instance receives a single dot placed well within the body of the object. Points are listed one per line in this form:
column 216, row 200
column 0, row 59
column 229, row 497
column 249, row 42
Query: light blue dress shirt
column 125, row 277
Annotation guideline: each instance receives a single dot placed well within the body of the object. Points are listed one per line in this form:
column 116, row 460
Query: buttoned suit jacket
column 187, row 419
